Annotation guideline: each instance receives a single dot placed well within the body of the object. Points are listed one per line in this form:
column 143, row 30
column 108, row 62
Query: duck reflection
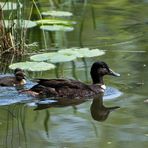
column 60, row 102
column 98, row 111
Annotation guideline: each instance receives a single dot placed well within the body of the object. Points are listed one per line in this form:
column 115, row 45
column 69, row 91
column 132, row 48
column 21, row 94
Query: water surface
column 119, row 28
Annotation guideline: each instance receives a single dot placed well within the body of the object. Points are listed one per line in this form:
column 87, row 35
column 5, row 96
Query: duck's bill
column 114, row 73
column 113, row 108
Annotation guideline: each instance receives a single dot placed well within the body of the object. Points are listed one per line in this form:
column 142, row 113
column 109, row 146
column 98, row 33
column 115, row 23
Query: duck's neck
column 20, row 81
column 98, row 80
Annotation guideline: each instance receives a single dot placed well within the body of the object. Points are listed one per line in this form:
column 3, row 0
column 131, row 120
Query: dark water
column 119, row 28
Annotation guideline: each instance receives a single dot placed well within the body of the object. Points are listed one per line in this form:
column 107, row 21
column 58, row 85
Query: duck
column 17, row 80
column 70, row 88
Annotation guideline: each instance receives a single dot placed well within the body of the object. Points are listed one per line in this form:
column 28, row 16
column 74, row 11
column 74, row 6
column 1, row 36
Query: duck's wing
column 57, row 83
column 68, row 88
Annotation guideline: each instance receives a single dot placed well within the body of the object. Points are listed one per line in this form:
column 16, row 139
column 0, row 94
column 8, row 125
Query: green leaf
column 53, row 57
column 53, row 21
column 83, row 52
column 57, row 13
column 42, row 57
column 71, row 51
column 92, row 53
column 33, row 66
column 65, row 55
column 58, row 58
column 56, row 28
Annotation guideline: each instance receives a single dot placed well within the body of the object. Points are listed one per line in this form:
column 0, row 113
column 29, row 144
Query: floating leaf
column 53, row 21
column 58, row 58
column 19, row 23
column 42, row 57
column 92, row 53
column 10, row 5
column 82, row 52
column 65, row 55
column 56, row 28
column 32, row 66
column 57, row 13
column 53, row 57
column 71, row 51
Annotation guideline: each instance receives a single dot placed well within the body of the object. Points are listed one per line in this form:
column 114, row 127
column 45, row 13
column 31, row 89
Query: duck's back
column 58, row 83
column 63, row 88
column 7, row 81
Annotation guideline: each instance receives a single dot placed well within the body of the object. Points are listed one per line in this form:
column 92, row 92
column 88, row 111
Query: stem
column 42, row 24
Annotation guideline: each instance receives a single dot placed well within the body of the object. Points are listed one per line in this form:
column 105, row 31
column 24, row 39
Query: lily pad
column 56, row 28
column 57, row 13
column 91, row 53
column 53, row 57
column 71, row 51
column 83, row 52
column 54, row 21
column 65, row 55
column 42, row 57
column 10, row 5
column 20, row 23
column 33, row 66
column 58, row 58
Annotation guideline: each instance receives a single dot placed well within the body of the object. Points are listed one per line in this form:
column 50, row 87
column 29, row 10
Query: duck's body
column 65, row 88
column 72, row 88
column 17, row 79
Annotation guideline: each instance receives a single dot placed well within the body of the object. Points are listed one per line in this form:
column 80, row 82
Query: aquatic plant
column 57, row 28
column 83, row 52
column 57, row 13
column 13, row 31
column 58, row 58
column 69, row 54
column 32, row 66
column 54, row 22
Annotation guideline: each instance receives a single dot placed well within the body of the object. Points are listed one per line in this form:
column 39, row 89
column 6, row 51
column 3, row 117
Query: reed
column 12, row 34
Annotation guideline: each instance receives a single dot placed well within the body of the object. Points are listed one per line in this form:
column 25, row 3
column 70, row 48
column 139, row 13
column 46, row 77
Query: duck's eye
column 103, row 71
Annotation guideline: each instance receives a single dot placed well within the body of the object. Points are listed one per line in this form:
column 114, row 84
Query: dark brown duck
column 70, row 88
column 17, row 79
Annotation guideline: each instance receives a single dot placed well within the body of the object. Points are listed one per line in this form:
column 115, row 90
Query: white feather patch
column 103, row 86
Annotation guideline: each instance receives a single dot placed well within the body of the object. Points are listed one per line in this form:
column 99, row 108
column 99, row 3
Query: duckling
column 16, row 80
column 70, row 88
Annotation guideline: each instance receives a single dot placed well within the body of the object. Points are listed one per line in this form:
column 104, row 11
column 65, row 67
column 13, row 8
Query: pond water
column 120, row 28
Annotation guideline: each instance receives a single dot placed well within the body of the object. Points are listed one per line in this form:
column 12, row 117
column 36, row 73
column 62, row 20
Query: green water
column 120, row 28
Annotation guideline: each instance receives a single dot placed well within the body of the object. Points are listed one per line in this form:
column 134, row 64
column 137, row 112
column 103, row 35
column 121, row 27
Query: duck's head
column 18, row 70
column 20, row 75
column 100, row 69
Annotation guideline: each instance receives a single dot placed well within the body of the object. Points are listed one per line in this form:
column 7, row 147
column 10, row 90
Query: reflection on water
column 18, row 118
column 98, row 111
column 120, row 28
